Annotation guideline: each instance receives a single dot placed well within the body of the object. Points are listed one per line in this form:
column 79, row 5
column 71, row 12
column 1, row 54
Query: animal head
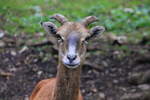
column 72, row 38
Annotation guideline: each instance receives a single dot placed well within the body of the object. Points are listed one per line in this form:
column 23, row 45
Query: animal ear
column 95, row 31
column 49, row 27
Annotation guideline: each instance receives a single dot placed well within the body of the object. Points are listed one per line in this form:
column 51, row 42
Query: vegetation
column 119, row 17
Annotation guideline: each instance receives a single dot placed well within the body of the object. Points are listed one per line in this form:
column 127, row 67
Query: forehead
column 73, row 29
column 73, row 38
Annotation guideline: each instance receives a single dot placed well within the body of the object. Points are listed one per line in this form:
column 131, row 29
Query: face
column 72, row 41
column 72, row 50
column 72, row 44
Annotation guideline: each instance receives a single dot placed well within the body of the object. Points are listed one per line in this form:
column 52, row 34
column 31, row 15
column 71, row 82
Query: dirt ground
column 109, row 73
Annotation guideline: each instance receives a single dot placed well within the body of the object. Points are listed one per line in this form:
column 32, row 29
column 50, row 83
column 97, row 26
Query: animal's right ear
column 49, row 27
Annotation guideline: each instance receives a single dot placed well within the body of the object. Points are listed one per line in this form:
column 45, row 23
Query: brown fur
column 66, row 85
column 45, row 89
column 59, row 88
column 69, row 27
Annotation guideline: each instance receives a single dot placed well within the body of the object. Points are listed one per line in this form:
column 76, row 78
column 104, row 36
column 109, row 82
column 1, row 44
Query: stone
column 102, row 95
column 144, row 87
column 2, row 44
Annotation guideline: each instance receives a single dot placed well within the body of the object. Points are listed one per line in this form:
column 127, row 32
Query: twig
column 92, row 65
column 5, row 74
column 40, row 44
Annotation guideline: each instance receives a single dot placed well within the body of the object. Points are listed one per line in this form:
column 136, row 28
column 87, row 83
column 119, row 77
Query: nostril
column 71, row 57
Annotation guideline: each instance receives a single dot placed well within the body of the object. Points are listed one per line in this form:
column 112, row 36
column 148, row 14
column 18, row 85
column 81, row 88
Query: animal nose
column 71, row 57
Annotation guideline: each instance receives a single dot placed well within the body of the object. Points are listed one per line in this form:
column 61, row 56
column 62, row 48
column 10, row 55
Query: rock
column 123, row 89
column 94, row 89
column 114, row 39
column 110, row 98
column 26, row 97
column 23, row 49
column 131, row 96
column 96, row 96
column 136, row 96
column 2, row 44
column 146, row 77
column 139, row 78
column 102, row 95
column 3, row 87
column 2, row 34
column 134, row 78
column 129, row 10
column 115, row 81
column 13, row 69
column 133, row 90
column 83, row 91
column 120, row 40
column 13, row 53
column 105, row 64
column 39, row 73
column 144, row 87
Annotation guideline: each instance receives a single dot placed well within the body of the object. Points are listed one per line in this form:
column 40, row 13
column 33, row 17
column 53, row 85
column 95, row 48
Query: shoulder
column 41, row 84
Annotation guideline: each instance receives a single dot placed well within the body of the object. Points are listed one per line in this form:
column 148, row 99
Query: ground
column 113, row 70
column 106, row 74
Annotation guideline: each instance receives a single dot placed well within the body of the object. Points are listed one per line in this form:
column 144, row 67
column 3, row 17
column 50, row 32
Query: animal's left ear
column 95, row 31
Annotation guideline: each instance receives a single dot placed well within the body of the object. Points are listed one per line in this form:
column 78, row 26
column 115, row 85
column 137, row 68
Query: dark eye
column 52, row 29
column 59, row 38
column 87, row 38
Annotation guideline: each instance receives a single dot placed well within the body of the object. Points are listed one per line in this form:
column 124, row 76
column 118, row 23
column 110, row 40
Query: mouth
column 71, row 65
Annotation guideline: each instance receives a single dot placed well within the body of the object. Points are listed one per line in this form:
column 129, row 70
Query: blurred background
column 121, row 69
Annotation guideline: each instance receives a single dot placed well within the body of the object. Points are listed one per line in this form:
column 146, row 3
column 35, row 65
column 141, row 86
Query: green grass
column 19, row 16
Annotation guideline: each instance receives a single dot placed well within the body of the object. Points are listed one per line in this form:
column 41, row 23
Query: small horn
column 88, row 20
column 60, row 18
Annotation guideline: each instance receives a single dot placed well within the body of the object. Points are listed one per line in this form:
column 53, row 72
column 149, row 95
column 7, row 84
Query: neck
column 68, row 83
